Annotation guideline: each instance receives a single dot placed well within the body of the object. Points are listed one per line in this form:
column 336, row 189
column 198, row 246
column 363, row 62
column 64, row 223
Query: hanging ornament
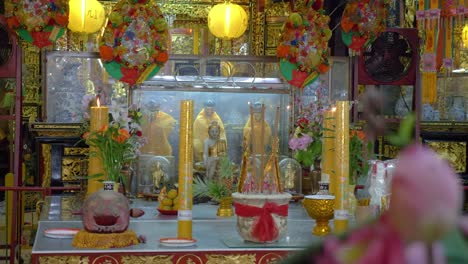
column 86, row 16
column 428, row 17
column 40, row 22
column 135, row 42
column 361, row 23
column 303, row 45
column 227, row 20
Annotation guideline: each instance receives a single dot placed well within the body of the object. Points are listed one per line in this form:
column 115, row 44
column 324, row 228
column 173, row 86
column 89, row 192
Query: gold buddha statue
column 200, row 128
column 289, row 177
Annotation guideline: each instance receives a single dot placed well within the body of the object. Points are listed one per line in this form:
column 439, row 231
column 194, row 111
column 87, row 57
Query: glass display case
column 222, row 89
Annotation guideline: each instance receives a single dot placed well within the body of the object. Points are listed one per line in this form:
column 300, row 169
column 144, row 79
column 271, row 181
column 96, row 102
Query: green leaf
column 404, row 136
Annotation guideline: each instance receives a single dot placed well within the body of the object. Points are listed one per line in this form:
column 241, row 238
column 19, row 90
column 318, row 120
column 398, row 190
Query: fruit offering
column 168, row 200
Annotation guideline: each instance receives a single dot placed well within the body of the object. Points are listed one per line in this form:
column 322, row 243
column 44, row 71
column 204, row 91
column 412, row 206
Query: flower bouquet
column 116, row 145
column 306, row 141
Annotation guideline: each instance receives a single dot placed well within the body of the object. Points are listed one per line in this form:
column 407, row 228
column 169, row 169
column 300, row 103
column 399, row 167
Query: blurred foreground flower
column 426, row 196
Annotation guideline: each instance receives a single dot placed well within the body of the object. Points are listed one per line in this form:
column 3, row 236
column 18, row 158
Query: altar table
column 217, row 238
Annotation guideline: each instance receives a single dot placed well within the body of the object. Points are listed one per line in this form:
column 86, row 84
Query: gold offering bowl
column 320, row 208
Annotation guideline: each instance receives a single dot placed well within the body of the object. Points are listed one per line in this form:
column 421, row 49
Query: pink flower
column 426, row 195
column 374, row 243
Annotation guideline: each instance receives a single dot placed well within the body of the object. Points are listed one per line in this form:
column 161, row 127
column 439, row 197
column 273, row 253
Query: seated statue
column 157, row 127
column 200, row 128
column 214, row 148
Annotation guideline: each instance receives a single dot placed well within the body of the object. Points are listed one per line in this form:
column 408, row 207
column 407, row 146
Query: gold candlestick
column 341, row 164
column 184, row 218
column 99, row 118
column 328, row 150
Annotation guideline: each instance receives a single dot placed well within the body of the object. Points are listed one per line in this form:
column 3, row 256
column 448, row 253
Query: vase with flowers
column 116, row 145
column 306, row 142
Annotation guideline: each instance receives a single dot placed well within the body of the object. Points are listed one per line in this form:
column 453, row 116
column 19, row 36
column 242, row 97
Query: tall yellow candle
column 328, row 149
column 184, row 217
column 341, row 164
column 99, row 118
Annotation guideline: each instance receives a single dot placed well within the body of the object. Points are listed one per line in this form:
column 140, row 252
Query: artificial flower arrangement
column 306, row 141
column 135, row 42
column 303, row 45
column 40, row 22
column 361, row 23
column 117, row 143
column 423, row 223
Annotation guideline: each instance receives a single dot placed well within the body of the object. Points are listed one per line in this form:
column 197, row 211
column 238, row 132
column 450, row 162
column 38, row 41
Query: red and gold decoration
column 40, row 22
column 303, row 45
column 428, row 22
column 361, row 23
column 135, row 42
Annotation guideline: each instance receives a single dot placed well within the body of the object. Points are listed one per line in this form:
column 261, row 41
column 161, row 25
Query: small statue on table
column 200, row 128
column 159, row 176
column 214, row 148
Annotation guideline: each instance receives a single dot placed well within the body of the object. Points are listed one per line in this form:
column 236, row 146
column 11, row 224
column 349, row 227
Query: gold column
column 184, row 217
column 99, row 118
column 341, row 164
column 328, row 150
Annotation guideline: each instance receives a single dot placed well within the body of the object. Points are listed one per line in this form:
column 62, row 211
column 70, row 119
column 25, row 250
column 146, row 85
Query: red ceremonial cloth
column 264, row 228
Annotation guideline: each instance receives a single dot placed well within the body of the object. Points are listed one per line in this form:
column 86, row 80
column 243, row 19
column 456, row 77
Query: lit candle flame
column 333, row 109
column 97, row 102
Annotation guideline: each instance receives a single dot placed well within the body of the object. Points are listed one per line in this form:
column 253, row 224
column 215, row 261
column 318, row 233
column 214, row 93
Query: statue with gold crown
column 257, row 126
column 157, row 126
column 200, row 128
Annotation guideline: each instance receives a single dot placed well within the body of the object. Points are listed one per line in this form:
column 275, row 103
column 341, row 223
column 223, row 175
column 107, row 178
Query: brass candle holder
column 321, row 209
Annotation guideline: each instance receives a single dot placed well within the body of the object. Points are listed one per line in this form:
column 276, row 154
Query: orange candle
column 328, row 149
column 99, row 118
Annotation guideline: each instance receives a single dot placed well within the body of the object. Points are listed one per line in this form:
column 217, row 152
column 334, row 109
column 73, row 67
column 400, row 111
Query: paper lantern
column 465, row 36
column 86, row 16
column 227, row 20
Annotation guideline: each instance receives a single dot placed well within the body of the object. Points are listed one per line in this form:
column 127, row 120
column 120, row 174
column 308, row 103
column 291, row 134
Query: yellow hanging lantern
column 86, row 16
column 465, row 36
column 227, row 20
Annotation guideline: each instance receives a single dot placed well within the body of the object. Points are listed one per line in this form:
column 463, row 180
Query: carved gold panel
column 47, row 164
column 72, row 168
column 231, row 259
column 161, row 259
column 189, row 259
column 64, row 260
column 70, row 151
column 452, row 151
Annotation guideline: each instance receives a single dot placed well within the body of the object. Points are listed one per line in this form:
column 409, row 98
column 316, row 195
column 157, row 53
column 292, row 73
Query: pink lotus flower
column 426, row 195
